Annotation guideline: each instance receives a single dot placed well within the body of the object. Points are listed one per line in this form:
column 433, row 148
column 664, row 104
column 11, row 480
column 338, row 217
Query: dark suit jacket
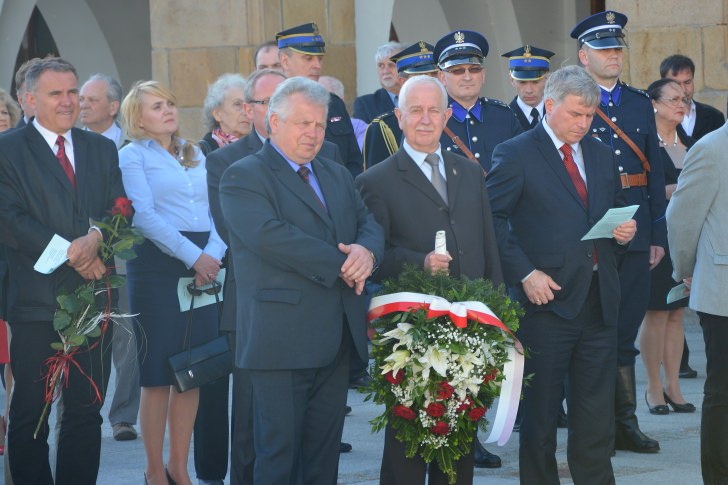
column 291, row 301
column 340, row 131
column 410, row 210
column 37, row 201
column 216, row 163
column 369, row 106
column 707, row 119
column 540, row 220
column 519, row 114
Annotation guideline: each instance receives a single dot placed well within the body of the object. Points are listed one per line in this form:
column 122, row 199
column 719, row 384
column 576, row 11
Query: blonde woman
column 165, row 178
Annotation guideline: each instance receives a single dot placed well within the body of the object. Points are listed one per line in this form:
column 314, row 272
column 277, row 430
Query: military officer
column 601, row 41
column 301, row 50
column 528, row 67
column 478, row 123
column 384, row 135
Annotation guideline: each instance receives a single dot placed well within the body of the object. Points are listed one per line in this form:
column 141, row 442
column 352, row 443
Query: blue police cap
column 415, row 59
column 602, row 30
column 528, row 63
column 303, row 38
column 461, row 47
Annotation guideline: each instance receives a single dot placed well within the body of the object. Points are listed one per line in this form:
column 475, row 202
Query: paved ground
column 122, row 463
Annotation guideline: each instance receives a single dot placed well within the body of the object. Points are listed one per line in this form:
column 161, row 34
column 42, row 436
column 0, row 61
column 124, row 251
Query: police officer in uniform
column 528, row 67
column 601, row 41
column 478, row 123
column 301, row 50
column 384, row 135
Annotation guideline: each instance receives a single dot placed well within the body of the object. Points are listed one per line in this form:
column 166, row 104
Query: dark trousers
column 242, row 454
column 298, row 419
column 212, row 431
column 714, row 421
column 634, row 280
column 397, row 469
column 79, row 438
column 584, row 350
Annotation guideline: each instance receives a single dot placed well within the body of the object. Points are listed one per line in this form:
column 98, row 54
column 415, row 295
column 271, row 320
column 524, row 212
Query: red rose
column 395, row 379
column 122, row 206
column 476, row 413
column 445, row 392
column 465, row 405
column 402, row 411
column 440, row 428
column 490, row 375
column 435, row 410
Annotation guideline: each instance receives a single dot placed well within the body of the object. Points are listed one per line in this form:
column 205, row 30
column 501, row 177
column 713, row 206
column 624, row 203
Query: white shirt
column 527, row 109
column 419, row 159
column 51, row 138
column 575, row 149
column 114, row 134
column 688, row 122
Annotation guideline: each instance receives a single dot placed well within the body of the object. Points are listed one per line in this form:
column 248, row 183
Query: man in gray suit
column 302, row 243
column 698, row 239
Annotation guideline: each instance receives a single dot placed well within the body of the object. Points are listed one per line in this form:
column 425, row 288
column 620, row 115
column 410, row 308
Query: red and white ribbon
column 460, row 313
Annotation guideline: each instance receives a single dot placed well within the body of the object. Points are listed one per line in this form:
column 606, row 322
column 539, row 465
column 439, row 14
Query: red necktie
column 64, row 161
column 574, row 172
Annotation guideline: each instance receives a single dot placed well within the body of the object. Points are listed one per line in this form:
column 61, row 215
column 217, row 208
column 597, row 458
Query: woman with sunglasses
column 662, row 335
column 166, row 180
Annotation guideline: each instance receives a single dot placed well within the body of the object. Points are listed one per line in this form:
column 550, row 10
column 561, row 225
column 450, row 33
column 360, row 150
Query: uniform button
column 615, row 135
column 475, row 138
column 618, row 152
column 614, row 118
column 594, row 130
column 477, row 155
column 621, row 169
column 638, row 130
column 611, row 104
column 472, row 122
column 449, row 148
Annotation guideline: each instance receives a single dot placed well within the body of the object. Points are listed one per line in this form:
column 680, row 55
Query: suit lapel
column 553, row 159
column 454, row 178
column 47, row 159
column 412, row 175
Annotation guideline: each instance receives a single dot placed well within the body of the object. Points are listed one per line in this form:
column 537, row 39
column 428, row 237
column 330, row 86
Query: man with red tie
column 547, row 188
column 53, row 179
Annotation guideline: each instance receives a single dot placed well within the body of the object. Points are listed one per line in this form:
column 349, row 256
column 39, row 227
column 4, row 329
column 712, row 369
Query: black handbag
column 204, row 363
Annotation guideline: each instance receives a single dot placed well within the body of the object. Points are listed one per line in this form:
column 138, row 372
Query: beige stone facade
column 194, row 42
column 697, row 29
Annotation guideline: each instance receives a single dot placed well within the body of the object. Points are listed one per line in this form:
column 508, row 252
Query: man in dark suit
column 301, row 50
column 369, row 106
column 53, row 178
column 701, row 118
column 601, row 42
column 542, row 206
column 20, row 92
column 528, row 67
column 420, row 190
column 302, row 244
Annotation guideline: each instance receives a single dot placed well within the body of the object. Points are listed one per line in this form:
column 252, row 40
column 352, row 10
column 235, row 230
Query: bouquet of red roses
column 85, row 313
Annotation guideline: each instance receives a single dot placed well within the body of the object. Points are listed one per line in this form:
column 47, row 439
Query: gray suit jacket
column 696, row 222
column 292, row 305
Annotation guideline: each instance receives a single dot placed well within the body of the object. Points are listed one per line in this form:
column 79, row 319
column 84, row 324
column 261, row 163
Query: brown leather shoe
column 124, row 432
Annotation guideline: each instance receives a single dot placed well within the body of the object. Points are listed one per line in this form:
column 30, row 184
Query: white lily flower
column 401, row 333
column 395, row 361
column 436, row 360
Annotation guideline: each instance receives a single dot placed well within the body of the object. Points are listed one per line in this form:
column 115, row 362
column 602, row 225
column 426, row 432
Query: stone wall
column 697, row 29
column 194, row 42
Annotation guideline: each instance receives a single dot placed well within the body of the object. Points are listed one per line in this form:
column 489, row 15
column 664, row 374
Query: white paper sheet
column 611, row 220
column 677, row 293
column 54, row 255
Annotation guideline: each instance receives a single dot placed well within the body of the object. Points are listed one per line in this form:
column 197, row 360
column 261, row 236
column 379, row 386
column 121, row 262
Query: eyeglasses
column 676, row 101
column 459, row 71
column 260, row 101
column 213, row 290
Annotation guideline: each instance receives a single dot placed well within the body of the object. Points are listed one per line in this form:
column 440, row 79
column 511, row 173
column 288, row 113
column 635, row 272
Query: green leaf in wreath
column 126, row 254
column 69, row 303
column 116, row 281
column 76, row 340
column 122, row 244
column 61, row 320
column 96, row 332
column 86, row 294
column 57, row 346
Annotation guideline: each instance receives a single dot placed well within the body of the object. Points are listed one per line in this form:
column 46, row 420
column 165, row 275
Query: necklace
column 664, row 143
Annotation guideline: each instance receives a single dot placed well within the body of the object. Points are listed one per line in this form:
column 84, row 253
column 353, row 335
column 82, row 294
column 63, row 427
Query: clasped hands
column 83, row 256
column 357, row 267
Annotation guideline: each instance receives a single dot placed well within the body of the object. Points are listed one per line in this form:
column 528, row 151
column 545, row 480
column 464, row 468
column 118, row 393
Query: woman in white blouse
column 165, row 178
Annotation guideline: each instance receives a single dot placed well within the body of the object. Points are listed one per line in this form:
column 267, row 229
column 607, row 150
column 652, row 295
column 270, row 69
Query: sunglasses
column 213, row 290
column 459, row 71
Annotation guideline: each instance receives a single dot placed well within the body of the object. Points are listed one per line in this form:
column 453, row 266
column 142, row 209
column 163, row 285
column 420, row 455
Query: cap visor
column 607, row 43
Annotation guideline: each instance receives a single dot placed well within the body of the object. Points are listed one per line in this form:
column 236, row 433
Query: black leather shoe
column 344, row 447
column 361, row 380
column 484, row 458
column 660, row 409
column 169, row 477
column 688, row 373
column 679, row 408
column 347, row 410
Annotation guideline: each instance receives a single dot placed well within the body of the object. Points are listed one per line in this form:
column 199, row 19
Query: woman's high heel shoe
column 169, row 477
column 679, row 408
column 661, row 409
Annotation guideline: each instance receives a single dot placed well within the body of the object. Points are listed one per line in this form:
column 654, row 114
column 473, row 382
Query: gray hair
column 385, row 51
column 280, row 104
column 249, row 90
column 332, row 85
column 114, row 92
column 216, row 93
column 572, row 80
column 55, row 64
column 413, row 81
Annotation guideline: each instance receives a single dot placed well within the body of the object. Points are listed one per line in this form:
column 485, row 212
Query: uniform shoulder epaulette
column 635, row 90
column 496, row 102
column 383, row 116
